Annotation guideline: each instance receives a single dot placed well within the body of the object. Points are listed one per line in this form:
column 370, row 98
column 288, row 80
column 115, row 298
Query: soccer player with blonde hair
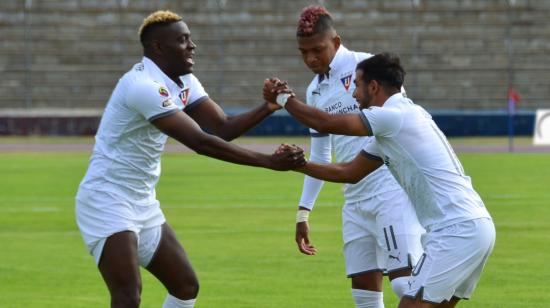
column 116, row 206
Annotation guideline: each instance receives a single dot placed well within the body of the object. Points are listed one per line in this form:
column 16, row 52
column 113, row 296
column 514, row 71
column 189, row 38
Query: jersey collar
column 394, row 99
column 336, row 64
column 158, row 74
column 339, row 59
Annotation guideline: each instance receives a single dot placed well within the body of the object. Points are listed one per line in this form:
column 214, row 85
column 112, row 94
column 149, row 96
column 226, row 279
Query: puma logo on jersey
column 395, row 257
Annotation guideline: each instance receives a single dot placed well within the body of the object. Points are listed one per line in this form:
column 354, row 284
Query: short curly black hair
column 385, row 68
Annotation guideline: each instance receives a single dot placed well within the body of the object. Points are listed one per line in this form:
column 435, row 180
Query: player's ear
column 337, row 41
column 156, row 47
column 374, row 86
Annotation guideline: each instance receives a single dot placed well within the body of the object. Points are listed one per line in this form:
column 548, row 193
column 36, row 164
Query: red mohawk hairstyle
column 314, row 19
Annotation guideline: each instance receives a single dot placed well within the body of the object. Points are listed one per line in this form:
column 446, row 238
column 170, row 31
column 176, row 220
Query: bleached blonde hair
column 156, row 18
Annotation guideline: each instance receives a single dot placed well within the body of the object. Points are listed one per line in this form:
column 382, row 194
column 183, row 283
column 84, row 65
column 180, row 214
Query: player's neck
column 165, row 68
column 384, row 96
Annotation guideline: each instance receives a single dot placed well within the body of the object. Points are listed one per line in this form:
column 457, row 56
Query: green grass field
column 237, row 224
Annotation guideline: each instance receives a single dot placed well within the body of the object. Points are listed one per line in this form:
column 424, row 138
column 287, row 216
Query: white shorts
column 453, row 260
column 381, row 233
column 101, row 214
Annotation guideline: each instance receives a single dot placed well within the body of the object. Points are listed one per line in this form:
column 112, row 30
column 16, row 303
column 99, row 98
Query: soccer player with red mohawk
column 380, row 230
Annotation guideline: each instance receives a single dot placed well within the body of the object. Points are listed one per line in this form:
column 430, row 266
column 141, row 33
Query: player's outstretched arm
column 322, row 122
column 347, row 172
column 182, row 128
column 209, row 115
column 321, row 153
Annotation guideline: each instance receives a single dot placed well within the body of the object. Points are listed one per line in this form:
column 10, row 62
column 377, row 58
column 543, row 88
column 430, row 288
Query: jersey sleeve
column 384, row 122
column 310, row 101
column 371, row 150
column 321, row 153
column 196, row 91
column 150, row 99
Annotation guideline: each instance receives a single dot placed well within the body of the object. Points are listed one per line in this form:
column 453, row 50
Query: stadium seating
column 70, row 53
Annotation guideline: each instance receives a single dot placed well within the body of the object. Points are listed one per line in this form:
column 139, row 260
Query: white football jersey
column 333, row 94
column 423, row 162
column 126, row 156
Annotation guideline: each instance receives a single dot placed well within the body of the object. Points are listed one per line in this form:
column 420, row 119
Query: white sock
column 367, row 299
column 173, row 302
column 400, row 285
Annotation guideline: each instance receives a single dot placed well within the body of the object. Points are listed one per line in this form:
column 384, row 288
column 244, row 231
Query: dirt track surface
column 265, row 148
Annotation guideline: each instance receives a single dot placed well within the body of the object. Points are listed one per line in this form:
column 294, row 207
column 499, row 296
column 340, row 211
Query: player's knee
column 371, row 281
column 188, row 290
column 399, row 285
column 191, row 290
column 407, row 302
column 127, row 297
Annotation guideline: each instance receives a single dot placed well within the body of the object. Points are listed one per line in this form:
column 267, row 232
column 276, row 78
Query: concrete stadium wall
column 459, row 54
column 70, row 53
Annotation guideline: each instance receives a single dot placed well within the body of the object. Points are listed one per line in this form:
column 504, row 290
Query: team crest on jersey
column 163, row 91
column 346, row 81
column 184, row 95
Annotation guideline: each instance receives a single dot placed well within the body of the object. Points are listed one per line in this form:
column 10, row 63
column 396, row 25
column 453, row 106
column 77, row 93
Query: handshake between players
column 272, row 88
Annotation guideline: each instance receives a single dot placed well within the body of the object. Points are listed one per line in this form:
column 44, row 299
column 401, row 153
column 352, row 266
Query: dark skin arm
column 302, row 238
column 182, row 128
column 211, row 116
column 322, row 122
column 347, row 172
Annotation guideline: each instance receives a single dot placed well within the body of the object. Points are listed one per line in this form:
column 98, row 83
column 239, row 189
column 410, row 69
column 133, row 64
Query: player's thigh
column 407, row 302
column 119, row 264
column 452, row 258
column 357, row 221
column 171, row 265
column 398, row 230
column 364, row 261
column 484, row 233
column 371, row 281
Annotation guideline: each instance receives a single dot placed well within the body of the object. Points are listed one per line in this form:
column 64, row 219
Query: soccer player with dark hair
column 381, row 233
column 460, row 233
column 116, row 206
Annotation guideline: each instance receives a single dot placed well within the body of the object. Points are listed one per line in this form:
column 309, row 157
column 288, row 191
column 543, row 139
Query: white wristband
column 302, row 215
column 282, row 99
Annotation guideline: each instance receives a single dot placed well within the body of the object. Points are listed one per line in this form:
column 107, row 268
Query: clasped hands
column 290, row 155
column 273, row 87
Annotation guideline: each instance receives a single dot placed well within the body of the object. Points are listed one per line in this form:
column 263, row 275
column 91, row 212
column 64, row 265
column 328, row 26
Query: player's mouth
column 189, row 60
